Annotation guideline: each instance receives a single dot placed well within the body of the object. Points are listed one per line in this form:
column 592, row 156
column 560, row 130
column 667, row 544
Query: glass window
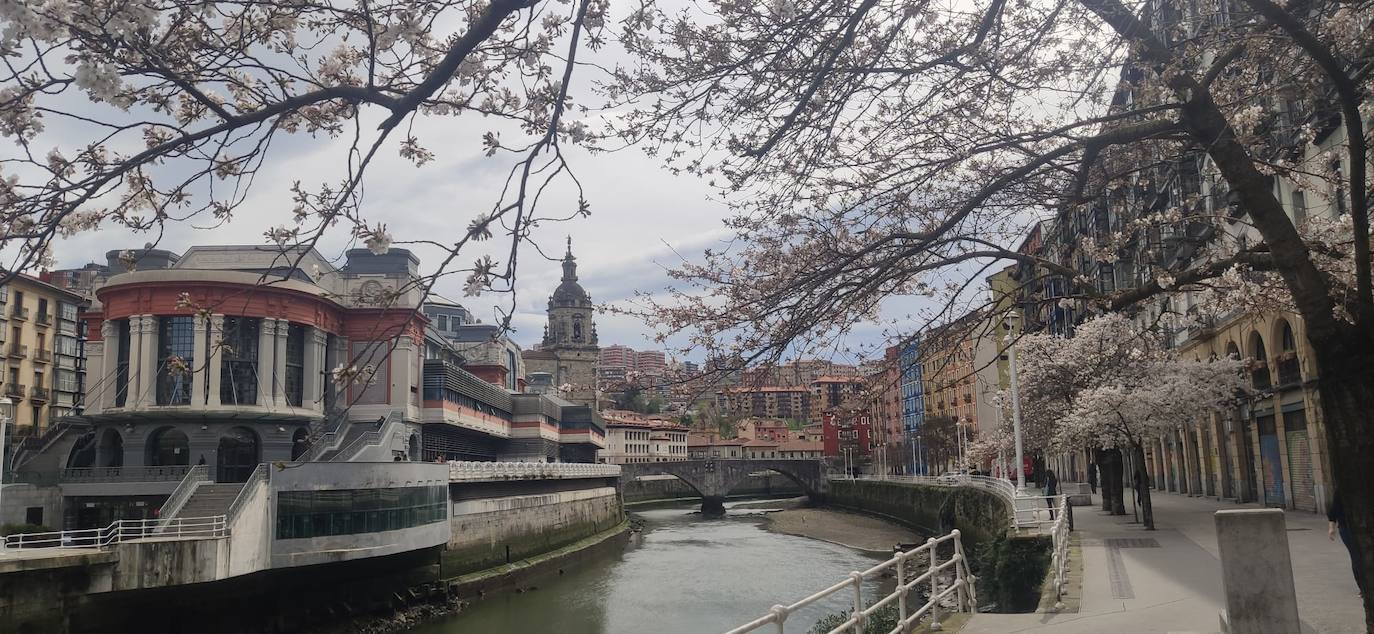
column 295, row 365
column 67, row 311
column 239, row 367
column 122, row 363
column 306, row 514
column 175, row 359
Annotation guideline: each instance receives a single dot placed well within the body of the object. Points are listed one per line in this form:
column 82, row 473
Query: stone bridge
column 714, row 479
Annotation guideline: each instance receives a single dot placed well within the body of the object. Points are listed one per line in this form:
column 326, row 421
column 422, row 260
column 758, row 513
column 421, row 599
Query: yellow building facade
column 43, row 374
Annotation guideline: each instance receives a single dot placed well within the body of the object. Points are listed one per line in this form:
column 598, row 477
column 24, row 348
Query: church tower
column 569, row 351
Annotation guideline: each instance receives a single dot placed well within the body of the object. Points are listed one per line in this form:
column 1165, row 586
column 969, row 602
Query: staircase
column 210, row 500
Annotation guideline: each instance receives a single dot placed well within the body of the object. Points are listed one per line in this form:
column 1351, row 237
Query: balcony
column 1290, row 371
column 20, row 313
column 39, row 393
column 1260, row 377
column 17, row 351
column 43, row 320
column 42, row 356
column 14, row 390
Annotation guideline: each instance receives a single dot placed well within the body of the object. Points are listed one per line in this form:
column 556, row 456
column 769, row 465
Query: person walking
column 1139, row 486
column 1051, row 490
column 1335, row 519
column 1092, row 476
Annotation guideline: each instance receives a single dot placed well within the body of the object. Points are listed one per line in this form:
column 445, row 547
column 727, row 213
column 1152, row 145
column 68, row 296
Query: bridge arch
column 713, row 480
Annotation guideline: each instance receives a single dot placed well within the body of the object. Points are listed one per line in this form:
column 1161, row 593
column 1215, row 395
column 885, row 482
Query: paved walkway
column 1169, row 580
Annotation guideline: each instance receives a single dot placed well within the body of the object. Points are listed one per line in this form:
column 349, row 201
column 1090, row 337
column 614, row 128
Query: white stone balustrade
column 492, row 471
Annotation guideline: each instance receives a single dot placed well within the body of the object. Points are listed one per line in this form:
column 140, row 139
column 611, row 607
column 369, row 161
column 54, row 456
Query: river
column 684, row 573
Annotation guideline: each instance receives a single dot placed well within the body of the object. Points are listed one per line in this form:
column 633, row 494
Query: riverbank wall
column 497, row 532
column 667, row 487
column 1009, row 567
column 500, row 523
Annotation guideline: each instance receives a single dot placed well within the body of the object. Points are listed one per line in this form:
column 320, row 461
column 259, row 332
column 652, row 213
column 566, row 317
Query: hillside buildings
column 632, row 438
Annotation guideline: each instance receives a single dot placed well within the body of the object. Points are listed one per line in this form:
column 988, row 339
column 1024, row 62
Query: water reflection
column 685, row 573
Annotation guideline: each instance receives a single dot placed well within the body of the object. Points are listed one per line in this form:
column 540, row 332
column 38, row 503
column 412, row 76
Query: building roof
column 761, row 443
column 802, row 445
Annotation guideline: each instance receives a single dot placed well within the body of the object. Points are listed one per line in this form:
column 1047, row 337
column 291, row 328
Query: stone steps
column 210, row 500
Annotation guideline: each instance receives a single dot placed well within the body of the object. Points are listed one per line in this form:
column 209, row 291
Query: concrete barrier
column 1256, row 572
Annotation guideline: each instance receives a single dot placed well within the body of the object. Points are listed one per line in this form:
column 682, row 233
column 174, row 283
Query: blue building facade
column 913, row 397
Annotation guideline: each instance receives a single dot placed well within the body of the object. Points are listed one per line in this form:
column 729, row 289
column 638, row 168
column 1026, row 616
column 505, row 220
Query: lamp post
column 5, row 407
column 1016, row 408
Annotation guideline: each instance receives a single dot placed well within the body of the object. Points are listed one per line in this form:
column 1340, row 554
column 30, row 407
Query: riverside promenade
column 1169, row 580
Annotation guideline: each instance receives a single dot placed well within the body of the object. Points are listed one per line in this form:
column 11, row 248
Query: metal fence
column 962, row 588
column 121, row 531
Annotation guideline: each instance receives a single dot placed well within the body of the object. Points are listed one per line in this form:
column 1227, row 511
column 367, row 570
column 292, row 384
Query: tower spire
column 569, row 264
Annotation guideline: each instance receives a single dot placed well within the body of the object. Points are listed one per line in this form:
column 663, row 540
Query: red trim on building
column 161, row 298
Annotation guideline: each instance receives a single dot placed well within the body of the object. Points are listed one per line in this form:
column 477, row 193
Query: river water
column 685, row 573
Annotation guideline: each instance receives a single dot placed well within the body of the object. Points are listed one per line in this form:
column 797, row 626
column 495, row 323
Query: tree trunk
column 1116, row 466
column 1147, row 512
column 1346, row 387
column 1103, row 478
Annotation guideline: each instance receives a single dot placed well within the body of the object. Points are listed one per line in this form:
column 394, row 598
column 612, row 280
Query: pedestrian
column 1139, row 486
column 1092, row 476
column 1335, row 518
column 1051, row 490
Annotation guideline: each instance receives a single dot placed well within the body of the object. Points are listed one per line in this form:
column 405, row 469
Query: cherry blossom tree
column 141, row 114
column 885, row 148
column 1140, row 389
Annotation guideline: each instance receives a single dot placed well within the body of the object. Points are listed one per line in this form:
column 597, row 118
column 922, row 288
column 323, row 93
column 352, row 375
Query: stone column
column 146, row 354
column 279, row 363
column 1256, row 572
column 313, row 369
column 267, row 348
column 215, row 361
column 201, row 362
column 109, row 369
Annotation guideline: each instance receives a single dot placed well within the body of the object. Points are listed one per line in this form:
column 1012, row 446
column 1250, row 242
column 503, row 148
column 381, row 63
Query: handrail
column 185, row 489
column 328, row 440
column 370, row 437
column 1026, row 513
column 1060, row 561
column 120, row 531
column 471, row 471
column 260, row 474
column 963, row 588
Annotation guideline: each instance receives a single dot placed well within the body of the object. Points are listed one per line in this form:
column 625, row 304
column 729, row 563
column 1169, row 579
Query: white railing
column 1060, row 561
column 1028, row 512
column 122, row 531
column 185, row 489
column 1039, row 513
column 480, row 471
column 368, row 438
column 258, row 476
column 962, row 587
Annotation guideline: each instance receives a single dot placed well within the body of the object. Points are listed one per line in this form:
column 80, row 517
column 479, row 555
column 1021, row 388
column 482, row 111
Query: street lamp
column 6, row 406
column 1015, row 406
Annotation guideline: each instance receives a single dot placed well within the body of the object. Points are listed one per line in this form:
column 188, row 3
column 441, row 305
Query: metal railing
column 14, row 389
column 459, row 471
column 258, row 476
column 367, row 438
column 124, row 474
column 180, row 495
column 329, row 439
column 42, row 355
column 962, row 587
column 121, row 531
column 1060, row 561
column 40, row 393
column 18, row 351
column 1028, row 512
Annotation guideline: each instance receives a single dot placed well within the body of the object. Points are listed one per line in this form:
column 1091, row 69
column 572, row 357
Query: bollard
column 1256, row 572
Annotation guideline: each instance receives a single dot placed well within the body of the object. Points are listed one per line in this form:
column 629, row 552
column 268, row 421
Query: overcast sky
column 642, row 217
